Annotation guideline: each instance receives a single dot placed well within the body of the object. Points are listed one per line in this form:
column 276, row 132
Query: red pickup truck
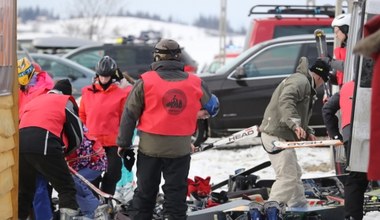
column 288, row 20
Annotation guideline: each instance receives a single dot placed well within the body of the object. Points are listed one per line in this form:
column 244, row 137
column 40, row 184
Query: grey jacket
column 291, row 104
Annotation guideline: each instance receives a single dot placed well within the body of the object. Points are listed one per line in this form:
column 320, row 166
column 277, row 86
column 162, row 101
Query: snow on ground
column 219, row 164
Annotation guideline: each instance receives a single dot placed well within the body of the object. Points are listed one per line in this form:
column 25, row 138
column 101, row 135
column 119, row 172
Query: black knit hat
column 321, row 68
column 64, row 86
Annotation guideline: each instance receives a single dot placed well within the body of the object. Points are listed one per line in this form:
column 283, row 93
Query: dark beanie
column 321, row 68
column 64, row 86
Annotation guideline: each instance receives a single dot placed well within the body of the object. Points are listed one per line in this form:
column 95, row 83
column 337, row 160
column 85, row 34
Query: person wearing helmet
column 33, row 82
column 341, row 26
column 47, row 123
column 100, row 110
column 163, row 105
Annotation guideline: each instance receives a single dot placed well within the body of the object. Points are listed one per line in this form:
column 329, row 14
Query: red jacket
column 101, row 111
column 371, row 27
column 340, row 54
column 345, row 102
column 43, row 84
column 170, row 106
column 47, row 112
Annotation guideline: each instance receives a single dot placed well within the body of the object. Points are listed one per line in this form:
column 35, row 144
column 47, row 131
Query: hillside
column 200, row 43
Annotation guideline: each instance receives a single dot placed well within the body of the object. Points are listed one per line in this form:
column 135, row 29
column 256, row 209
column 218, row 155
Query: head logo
column 174, row 101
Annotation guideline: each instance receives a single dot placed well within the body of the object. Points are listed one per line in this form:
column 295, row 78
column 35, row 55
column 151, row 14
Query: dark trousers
column 175, row 172
column 54, row 169
column 354, row 188
column 113, row 173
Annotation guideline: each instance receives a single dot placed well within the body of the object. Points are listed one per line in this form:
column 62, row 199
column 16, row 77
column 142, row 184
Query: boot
column 102, row 212
column 256, row 211
column 68, row 214
column 274, row 210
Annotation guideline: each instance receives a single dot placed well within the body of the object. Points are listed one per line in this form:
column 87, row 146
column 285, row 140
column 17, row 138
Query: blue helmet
column 212, row 106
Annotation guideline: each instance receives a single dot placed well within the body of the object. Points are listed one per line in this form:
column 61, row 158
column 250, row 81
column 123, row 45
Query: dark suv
column 245, row 85
column 134, row 58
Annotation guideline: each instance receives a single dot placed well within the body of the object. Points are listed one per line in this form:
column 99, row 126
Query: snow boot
column 68, row 214
column 256, row 211
column 274, row 210
column 103, row 212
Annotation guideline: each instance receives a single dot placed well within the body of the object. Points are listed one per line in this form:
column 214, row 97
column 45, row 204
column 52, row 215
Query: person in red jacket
column 356, row 182
column 164, row 106
column 34, row 82
column 341, row 26
column 100, row 110
column 49, row 127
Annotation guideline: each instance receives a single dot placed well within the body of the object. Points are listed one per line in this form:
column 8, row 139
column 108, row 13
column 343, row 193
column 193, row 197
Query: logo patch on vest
column 174, row 101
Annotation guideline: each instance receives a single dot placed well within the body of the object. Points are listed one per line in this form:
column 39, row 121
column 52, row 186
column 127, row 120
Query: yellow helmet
column 25, row 71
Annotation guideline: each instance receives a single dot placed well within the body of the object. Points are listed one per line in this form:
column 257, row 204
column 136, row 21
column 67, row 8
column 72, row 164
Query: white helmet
column 340, row 20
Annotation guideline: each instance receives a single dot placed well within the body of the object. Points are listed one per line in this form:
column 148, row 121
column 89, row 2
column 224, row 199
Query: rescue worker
column 165, row 102
column 100, row 110
column 49, row 127
column 34, row 82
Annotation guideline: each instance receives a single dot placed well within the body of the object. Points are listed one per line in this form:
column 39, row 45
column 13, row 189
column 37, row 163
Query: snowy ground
column 219, row 164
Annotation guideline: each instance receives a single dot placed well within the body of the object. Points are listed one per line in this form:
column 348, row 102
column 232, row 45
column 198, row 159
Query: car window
column 130, row 56
column 88, row 58
column 278, row 60
column 57, row 69
column 63, row 71
column 282, row 31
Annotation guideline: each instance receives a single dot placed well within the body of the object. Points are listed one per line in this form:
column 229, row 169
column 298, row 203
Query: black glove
column 327, row 59
column 128, row 156
column 118, row 75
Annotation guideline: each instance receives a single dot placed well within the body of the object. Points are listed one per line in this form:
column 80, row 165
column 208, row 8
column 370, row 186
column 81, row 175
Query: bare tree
column 95, row 13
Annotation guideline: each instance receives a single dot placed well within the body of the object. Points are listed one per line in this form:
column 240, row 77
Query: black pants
column 175, row 172
column 113, row 173
column 54, row 169
column 355, row 186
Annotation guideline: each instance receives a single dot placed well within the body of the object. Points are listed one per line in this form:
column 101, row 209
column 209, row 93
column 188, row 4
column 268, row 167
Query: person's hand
column 128, row 156
column 325, row 98
column 311, row 137
column 203, row 114
column 326, row 59
column 300, row 133
column 193, row 148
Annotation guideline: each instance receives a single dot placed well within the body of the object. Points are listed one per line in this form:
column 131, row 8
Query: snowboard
column 316, row 212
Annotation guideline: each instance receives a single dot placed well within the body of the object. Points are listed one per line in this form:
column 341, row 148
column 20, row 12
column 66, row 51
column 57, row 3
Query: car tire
column 200, row 134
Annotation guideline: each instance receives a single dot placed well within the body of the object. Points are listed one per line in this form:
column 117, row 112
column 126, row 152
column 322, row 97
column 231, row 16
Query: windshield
column 236, row 61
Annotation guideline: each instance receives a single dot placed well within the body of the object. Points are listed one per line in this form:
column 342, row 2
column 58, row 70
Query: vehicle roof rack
column 278, row 10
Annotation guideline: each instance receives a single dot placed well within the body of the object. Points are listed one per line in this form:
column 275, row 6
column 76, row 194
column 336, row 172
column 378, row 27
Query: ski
column 244, row 173
column 301, row 144
column 96, row 189
column 320, row 40
column 238, row 136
